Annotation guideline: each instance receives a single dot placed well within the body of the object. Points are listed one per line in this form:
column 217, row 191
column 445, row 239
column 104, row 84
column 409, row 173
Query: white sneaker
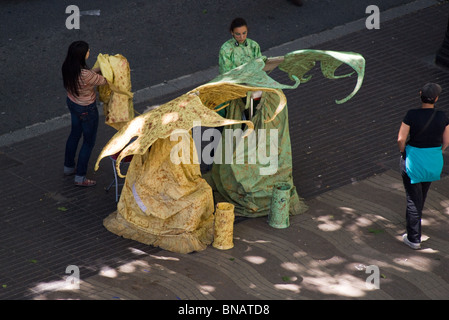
column 414, row 246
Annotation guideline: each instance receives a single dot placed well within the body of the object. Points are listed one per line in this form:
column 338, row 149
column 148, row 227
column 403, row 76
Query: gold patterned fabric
column 116, row 96
column 165, row 202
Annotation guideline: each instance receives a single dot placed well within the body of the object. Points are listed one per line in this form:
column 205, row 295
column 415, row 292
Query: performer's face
column 240, row 34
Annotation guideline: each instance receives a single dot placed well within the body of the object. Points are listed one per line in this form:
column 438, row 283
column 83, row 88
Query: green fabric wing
column 298, row 63
column 252, row 74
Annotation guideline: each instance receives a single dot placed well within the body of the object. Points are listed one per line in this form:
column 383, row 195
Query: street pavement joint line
column 351, row 247
column 389, row 220
column 182, row 284
column 310, row 269
column 243, row 275
column 111, row 291
column 435, row 200
column 340, row 200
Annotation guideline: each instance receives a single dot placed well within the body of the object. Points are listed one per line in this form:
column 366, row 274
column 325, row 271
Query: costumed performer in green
column 239, row 49
column 242, row 183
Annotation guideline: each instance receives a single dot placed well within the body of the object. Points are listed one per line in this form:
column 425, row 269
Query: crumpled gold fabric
column 116, row 96
column 165, row 202
column 178, row 114
column 170, row 205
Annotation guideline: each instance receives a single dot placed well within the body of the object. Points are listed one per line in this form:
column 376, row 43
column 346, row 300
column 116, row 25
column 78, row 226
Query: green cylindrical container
column 280, row 206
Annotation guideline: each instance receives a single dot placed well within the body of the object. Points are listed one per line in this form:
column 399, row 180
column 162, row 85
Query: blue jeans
column 85, row 123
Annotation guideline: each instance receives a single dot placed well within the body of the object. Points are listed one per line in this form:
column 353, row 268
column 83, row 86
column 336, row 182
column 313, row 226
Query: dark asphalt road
column 162, row 40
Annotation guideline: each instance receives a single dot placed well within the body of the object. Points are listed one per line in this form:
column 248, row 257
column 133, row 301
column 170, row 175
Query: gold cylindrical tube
column 224, row 226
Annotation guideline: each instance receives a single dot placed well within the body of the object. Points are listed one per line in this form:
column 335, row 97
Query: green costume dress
column 243, row 184
column 232, row 55
column 249, row 185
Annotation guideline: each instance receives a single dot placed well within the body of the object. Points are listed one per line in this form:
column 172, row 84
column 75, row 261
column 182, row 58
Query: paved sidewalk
column 345, row 166
column 326, row 253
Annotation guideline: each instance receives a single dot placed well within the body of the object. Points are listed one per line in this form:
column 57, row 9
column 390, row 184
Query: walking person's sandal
column 86, row 183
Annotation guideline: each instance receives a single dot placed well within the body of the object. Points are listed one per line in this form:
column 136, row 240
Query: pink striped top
column 88, row 80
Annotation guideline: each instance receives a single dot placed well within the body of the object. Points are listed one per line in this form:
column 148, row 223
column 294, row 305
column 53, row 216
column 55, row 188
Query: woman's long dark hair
column 73, row 63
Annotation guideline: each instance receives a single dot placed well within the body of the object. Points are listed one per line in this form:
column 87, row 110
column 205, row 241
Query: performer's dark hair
column 236, row 23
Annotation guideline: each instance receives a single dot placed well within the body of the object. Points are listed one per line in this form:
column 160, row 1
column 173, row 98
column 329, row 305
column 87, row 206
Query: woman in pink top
column 80, row 83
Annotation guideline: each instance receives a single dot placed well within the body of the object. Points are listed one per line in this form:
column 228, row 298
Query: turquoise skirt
column 423, row 164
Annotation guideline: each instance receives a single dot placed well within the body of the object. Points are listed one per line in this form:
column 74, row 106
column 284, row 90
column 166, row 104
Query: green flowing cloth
column 248, row 184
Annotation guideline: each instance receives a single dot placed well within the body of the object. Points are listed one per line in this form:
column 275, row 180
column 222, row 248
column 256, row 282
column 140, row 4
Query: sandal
column 86, row 183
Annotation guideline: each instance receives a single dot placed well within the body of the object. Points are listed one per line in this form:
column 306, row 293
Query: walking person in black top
column 422, row 158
